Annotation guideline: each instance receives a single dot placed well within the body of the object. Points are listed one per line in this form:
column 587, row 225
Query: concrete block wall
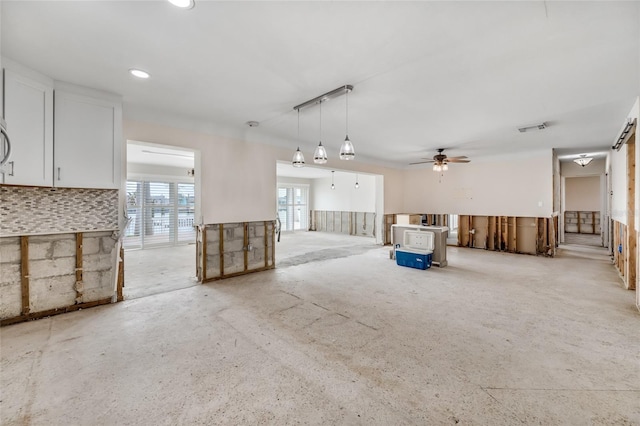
column 586, row 222
column 259, row 233
column 213, row 251
column 52, row 272
column 341, row 222
column 10, row 287
column 233, row 248
column 253, row 240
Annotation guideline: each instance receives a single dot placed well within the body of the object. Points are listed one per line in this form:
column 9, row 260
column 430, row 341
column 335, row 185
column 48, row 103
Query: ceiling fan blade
column 457, row 160
column 421, row 162
column 462, row 157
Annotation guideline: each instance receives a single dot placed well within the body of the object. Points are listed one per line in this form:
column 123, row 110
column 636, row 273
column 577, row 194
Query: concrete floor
column 159, row 270
column 163, row 269
column 583, row 239
column 492, row 339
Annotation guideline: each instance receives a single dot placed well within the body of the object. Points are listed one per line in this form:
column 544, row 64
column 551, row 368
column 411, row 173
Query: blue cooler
column 416, row 250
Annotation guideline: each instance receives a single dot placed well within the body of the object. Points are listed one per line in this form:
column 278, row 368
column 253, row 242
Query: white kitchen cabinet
column 28, row 111
column 87, row 138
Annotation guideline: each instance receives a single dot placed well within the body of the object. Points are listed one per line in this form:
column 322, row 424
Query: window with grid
column 161, row 213
column 293, row 207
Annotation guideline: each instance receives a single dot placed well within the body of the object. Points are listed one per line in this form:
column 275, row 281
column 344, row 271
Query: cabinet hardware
column 11, row 172
column 58, row 173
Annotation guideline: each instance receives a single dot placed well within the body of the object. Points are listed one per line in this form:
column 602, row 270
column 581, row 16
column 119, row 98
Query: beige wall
column 583, row 194
column 238, row 179
column 516, row 186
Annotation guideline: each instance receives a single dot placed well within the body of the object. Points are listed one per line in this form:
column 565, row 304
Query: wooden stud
column 273, row 246
column 79, row 287
column 204, row 253
column 486, row 235
column 578, row 222
column 631, row 255
column 120, row 293
column 513, row 236
column 246, row 246
column 24, row 273
column 538, row 243
column 266, row 244
column 551, row 244
column 55, row 311
column 221, row 248
column 593, row 222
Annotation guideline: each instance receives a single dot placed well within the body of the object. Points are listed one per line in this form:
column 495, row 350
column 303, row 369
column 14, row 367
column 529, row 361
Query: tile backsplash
column 35, row 210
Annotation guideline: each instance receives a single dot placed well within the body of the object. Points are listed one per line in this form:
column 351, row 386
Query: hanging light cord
column 320, row 122
column 298, row 126
column 347, row 123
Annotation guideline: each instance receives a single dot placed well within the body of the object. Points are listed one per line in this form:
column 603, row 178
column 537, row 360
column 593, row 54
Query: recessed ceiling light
column 139, row 73
column 183, row 4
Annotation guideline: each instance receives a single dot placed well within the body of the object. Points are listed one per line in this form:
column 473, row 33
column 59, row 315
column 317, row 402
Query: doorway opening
column 583, row 202
column 162, row 206
column 326, row 213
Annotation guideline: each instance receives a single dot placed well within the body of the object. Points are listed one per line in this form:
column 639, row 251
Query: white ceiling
column 427, row 75
column 144, row 153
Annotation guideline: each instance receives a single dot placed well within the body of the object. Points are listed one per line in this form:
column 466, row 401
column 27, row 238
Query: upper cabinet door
column 28, row 111
column 88, row 139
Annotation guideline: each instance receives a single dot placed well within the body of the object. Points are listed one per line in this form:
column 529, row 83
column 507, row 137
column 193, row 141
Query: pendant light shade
column 320, row 155
column 298, row 157
column 347, row 152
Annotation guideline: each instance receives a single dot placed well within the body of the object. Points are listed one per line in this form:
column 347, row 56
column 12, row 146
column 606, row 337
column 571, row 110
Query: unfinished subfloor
column 159, row 270
column 492, row 339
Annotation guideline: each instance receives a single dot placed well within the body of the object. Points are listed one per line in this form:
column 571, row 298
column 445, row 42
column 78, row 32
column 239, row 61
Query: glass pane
column 186, row 212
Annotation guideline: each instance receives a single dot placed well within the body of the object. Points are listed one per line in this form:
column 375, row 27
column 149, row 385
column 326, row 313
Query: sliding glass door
column 161, row 213
column 293, row 207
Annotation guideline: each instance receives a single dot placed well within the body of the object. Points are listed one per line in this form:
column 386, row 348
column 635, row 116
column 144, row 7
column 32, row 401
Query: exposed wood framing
column 24, row 274
column 246, row 246
column 593, row 222
column 273, row 247
column 79, row 286
column 578, row 222
column 221, row 244
column 631, row 253
column 56, row 311
column 204, row 254
column 500, row 233
column 266, row 245
column 120, row 293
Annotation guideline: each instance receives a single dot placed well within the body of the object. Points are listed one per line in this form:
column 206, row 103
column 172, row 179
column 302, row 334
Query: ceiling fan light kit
column 441, row 161
column 347, row 151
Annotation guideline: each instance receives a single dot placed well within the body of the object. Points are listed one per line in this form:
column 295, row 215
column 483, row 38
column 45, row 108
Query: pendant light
column 333, row 186
column 320, row 155
column 357, row 185
column 347, row 152
column 298, row 158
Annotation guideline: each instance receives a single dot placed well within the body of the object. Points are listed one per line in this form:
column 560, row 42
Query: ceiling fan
column 440, row 160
